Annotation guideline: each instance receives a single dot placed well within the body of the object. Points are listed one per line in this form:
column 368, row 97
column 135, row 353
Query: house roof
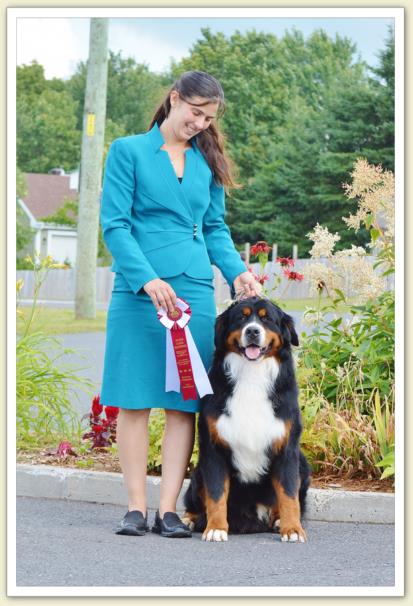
column 46, row 193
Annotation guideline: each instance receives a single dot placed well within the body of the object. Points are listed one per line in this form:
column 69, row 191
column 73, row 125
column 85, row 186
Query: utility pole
column 91, row 169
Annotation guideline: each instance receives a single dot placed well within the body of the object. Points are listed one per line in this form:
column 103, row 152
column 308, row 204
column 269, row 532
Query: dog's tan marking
column 276, row 344
column 279, row 444
column 233, row 338
column 247, row 311
column 289, row 507
column 190, row 519
column 213, row 432
column 217, row 523
column 262, row 312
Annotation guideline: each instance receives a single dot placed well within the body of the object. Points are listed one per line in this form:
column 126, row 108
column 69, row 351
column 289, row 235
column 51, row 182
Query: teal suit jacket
column 156, row 227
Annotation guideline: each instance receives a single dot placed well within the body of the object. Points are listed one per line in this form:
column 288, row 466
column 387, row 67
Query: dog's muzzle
column 252, row 344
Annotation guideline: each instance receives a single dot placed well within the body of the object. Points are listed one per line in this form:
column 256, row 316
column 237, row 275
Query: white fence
column 59, row 284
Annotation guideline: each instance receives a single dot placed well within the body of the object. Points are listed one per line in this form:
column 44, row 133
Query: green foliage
column 345, row 443
column 46, row 132
column 133, row 92
column 349, row 361
column 298, row 114
column 24, row 233
column 45, row 386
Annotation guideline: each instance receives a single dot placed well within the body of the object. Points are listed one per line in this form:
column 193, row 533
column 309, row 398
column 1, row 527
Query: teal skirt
column 135, row 358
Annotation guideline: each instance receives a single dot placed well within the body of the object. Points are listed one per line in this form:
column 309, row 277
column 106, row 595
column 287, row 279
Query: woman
column 162, row 217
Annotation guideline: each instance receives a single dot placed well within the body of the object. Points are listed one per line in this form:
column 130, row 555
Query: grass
column 55, row 321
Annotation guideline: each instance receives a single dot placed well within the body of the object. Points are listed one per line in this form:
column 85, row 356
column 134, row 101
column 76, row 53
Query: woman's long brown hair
column 210, row 141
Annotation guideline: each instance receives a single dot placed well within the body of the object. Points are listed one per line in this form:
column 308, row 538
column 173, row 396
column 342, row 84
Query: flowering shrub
column 261, row 250
column 347, row 364
column 102, row 429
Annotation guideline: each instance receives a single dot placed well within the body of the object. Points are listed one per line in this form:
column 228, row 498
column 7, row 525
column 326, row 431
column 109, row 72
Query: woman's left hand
column 246, row 283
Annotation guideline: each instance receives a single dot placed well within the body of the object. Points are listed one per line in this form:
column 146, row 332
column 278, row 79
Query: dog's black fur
column 218, row 497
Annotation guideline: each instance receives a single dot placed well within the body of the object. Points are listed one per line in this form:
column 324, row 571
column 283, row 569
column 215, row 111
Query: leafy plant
column 45, row 386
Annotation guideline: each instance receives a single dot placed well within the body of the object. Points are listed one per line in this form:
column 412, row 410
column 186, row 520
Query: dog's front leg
column 286, row 481
column 216, row 489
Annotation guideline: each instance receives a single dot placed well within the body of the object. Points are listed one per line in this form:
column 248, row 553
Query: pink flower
column 260, row 247
column 285, row 261
column 64, row 449
column 293, row 275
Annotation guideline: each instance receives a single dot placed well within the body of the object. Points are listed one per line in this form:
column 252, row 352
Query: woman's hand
column 161, row 293
column 246, row 283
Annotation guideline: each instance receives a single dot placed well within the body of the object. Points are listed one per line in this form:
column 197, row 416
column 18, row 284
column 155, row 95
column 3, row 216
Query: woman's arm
column 115, row 214
column 220, row 247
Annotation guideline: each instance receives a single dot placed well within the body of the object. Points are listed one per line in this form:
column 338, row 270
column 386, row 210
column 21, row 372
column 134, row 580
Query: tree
column 46, row 132
column 133, row 92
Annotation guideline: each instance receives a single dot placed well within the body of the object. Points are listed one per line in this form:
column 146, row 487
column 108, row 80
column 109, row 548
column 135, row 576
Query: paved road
column 69, row 543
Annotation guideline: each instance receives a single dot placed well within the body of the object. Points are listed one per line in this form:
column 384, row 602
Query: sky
column 59, row 44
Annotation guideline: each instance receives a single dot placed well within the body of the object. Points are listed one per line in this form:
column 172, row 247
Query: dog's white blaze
column 261, row 333
column 249, row 425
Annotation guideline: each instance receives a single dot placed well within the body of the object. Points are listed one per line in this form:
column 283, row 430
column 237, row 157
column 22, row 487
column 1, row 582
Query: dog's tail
column 305, row 475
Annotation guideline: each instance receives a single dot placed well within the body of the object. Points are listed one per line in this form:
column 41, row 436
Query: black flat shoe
column 133, row 523
column 171, row 526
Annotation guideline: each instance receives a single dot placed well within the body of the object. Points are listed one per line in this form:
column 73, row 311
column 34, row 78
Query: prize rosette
column 185, row 371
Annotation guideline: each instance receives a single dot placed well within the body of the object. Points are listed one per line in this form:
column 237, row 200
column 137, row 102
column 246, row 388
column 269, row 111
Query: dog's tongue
column 252, row 352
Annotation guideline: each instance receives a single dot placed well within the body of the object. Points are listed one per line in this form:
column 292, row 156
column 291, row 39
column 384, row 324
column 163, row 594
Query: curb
column 323, row 505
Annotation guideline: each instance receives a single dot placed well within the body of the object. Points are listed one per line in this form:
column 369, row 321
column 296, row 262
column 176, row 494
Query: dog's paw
column 293, row 535
column 189, row 522
column 276, row 525
column 215, row 534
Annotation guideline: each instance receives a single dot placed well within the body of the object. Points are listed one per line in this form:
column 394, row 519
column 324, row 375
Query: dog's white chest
column 249, row 425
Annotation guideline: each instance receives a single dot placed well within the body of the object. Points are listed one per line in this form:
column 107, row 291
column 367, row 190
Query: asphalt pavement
column 73, row 544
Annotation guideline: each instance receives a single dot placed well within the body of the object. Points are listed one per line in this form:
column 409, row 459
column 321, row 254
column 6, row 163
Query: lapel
column 179, row 202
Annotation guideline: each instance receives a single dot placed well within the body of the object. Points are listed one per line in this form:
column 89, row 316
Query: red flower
column 293, row 275
column 98, row 428
column 111, row 413
column 285, row 261
column 96, row 406
column 260, row 247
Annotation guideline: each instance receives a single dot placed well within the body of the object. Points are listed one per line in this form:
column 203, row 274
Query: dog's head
column 254, row 328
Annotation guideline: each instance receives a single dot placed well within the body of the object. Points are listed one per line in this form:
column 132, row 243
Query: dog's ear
column 288, row 329
column 221, row 325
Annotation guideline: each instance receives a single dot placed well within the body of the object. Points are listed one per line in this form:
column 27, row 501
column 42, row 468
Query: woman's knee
column 179, row 416
column 134, row 415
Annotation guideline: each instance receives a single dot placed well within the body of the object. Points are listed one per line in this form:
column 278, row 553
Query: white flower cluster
column 322, row 277
column 375, row 189
column 324, row 242
column 347, row 270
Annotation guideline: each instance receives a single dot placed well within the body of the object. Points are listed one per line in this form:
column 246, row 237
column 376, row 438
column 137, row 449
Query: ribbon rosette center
column 185, row 371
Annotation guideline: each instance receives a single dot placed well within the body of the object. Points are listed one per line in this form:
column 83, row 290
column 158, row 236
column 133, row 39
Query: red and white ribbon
column 185, row 371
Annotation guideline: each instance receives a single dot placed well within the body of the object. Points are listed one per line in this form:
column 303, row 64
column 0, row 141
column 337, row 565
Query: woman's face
column 188, row 118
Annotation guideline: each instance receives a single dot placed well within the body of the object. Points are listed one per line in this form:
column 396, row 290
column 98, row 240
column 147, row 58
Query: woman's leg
column 132, row 440
column 177, row 445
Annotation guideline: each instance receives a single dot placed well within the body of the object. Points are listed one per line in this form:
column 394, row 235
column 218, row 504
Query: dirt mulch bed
column 104, row 461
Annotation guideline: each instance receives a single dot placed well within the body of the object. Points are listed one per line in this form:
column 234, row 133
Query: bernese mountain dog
column 251, row 475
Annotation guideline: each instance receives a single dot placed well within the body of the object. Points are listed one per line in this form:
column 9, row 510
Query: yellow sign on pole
column 90, row 125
